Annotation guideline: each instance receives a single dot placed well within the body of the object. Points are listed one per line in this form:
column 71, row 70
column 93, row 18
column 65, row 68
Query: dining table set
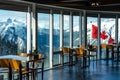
column 12, row 62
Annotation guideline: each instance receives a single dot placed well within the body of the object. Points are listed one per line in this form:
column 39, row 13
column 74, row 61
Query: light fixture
column 95, row 4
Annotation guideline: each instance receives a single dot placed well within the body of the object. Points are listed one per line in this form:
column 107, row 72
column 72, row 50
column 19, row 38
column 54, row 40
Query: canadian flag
column 111, row 40
column 94, row 31
column 103, row 35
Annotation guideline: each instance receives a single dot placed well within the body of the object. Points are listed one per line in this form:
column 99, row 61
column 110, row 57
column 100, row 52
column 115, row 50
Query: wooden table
column 12, row 57
column 25, row 59
column 15, row 57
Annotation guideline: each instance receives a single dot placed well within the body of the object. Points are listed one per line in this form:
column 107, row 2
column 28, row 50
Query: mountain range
column 13, row 35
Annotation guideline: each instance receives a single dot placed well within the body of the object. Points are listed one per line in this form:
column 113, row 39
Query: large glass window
column 92, row 31
column 66, row 34
column 118, row 30
column 66, row 31
column 56, row 38
column 13, row 32
column 56, row 33
column 107, row 33
column 43, row 35
column 76, row 31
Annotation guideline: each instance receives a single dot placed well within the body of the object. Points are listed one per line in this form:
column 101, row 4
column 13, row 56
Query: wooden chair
column 66, row 51
column 5, row 68
column 19, row 70
column 93, row 49
column 110, row 47
column 80, row 52
column 35, row 62
column 116, row 52
column 81, row 55
column 24, row 64
column 103, row 47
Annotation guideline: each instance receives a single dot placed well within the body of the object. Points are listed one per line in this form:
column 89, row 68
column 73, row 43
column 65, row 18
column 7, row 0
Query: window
column 76, row 31
column 43, row 35
column 13, row 32
column 92, row 31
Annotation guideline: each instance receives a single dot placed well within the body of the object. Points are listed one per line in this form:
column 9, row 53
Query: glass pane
column 118, row 30
column 66, row 35
column 43, row 36
column 107, row 30
column 76, row 37
column 92, row 31
column 107, row 33
column 56, row 38
column 66, row 31
column 13, row 32
column 56, row 33
column 56, row 59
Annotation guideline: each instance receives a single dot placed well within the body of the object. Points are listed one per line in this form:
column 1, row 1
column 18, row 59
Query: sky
column 5, row 14
column 43, row 19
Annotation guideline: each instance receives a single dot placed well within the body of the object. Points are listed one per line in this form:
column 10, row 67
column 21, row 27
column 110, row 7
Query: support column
column 116, row 29
column 99, row 42
column 61, row 33
column 51, row 39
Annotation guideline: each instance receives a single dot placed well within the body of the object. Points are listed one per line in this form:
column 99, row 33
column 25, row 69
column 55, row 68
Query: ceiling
column 107, row 5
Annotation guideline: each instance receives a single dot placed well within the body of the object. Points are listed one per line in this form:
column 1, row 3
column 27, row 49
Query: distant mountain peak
column 9, row 20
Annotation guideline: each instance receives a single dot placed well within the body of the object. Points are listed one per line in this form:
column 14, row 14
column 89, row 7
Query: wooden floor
column 101, row 71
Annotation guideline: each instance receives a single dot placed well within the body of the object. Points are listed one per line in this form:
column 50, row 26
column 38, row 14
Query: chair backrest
column 40, row 55
column 94, row 46
column 15, row 64
column 103, row 46
column 4, row 63
column 79, row 51
column 82, row 46
column 23, row 54
column 65, row 50
column 110, row 47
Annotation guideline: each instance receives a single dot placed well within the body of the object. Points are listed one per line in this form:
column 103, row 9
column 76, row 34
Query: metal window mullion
column 85, row 28
column 29, row 41
column 34, row 32
column 116, row 29
column 61, row 33
column 99, row 29
column 34, row 27
column 51, row 39
column 71, row 29
column 80, row 29
column 61, row 28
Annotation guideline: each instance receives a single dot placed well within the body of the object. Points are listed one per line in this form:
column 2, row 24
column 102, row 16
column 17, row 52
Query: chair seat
column 24, row 71
column 91, row 55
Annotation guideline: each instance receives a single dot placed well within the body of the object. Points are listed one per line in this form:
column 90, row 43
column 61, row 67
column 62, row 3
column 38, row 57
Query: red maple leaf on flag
column 103, row 35
column 94, row 31
column 111, row 40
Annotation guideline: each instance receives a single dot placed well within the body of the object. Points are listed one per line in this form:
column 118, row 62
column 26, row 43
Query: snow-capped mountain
column 14, row 32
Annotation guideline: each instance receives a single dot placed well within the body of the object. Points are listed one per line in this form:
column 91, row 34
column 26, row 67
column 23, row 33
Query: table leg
column 10, row 72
